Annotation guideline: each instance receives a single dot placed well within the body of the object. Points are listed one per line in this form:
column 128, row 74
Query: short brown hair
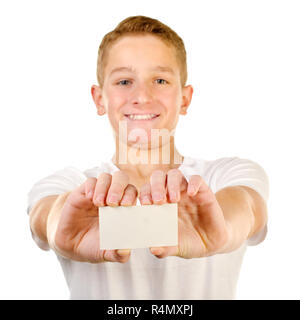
column 142, row 25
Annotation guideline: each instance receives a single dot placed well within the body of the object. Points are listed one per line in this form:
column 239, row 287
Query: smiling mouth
column 149, row 116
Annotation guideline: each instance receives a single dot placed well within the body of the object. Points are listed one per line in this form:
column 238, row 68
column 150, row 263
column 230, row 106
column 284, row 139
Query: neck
column 140, row 163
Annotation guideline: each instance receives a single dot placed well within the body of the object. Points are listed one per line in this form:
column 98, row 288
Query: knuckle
column 91, row 180
column 121, row 175
column 174, row 172
column 174, row 179
column 90, row 184
column 116, row 187
column 200, row 180
column 104, row 176
column 119, row 182
column 103, row 181
column 195, row 179
column 101, row 187
column 157, row 174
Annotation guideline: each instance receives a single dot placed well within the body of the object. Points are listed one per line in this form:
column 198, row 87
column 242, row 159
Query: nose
column 142, row 94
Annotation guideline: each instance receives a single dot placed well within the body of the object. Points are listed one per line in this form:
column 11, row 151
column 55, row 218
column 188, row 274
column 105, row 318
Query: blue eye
column 123, row 82
column 161, row 80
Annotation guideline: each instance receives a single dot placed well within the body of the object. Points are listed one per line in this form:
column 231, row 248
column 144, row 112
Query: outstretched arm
column 208, row 223
column 245, row 212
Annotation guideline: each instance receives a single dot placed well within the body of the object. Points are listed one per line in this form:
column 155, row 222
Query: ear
column 96, row 92
column 187, row 93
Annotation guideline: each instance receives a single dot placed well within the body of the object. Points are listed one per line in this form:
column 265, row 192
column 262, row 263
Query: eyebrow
column 130, row 69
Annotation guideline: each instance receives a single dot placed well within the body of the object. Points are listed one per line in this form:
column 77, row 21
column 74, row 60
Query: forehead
column 139, row 39
column 141, row 49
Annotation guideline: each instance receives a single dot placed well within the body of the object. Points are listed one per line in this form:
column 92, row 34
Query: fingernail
column 113, row 198
column 156, row 251
column 100, row 199
column 157, row 196
column 173, row 195
column 123, row 252
column 126, row 200
column 146, row 200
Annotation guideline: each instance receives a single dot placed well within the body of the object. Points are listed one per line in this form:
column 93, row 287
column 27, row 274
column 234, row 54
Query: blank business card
column 138, row 226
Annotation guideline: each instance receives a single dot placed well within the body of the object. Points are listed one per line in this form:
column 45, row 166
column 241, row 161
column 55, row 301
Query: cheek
column 173, row 105
column 115, row 101
column 172, row 102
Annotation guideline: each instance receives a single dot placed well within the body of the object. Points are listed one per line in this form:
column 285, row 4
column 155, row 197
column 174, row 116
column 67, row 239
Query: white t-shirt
column 144, row 276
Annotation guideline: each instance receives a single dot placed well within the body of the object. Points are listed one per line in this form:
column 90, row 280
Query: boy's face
column 142, row 77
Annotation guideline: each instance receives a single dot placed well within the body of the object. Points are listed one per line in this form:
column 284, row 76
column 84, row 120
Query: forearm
column 53, row 218
column 237, row 206
column 38, row 216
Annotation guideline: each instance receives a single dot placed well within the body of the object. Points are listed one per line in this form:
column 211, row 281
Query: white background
column 243, row 62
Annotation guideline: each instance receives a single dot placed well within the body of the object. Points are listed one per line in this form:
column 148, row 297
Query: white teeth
column 141, row 116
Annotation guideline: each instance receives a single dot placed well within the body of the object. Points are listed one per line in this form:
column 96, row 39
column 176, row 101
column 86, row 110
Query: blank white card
column 138, row 226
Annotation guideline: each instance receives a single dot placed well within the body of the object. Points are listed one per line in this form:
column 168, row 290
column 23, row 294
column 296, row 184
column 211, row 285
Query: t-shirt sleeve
column 59, row 182
column 236, row 171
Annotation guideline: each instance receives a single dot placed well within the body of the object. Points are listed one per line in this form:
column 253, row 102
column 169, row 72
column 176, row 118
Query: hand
column 202, row 229
column 76, row 233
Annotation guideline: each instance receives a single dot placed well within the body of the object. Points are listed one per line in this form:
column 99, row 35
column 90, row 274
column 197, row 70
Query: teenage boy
column 142, row 77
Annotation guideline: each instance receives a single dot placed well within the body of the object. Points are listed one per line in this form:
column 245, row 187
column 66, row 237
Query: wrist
column 229, row 244
column 238, row 216
column 38, row 217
